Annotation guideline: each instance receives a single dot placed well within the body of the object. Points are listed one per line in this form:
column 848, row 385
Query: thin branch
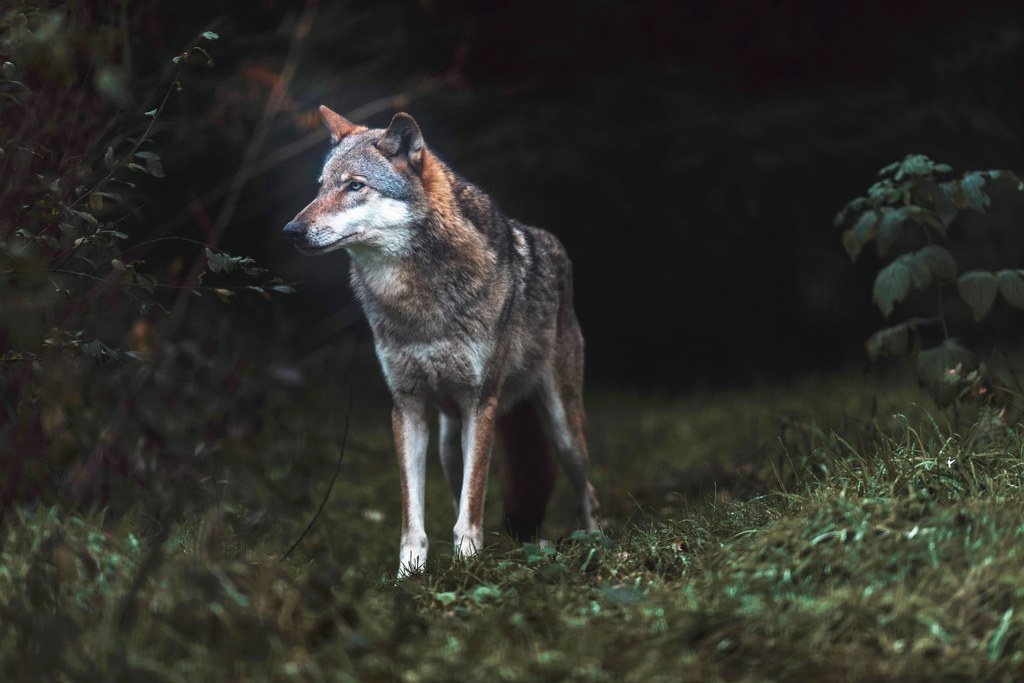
column 131, row 153
column 330, row 486
column 242, row 176
column 160, row 285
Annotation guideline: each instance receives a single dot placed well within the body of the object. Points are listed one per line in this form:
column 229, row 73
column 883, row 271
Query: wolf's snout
column 295, row 230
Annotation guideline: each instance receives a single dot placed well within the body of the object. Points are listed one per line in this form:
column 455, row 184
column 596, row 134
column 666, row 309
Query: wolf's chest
column 438, row 368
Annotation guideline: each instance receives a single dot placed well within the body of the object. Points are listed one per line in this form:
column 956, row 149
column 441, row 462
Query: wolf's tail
column 529, row 470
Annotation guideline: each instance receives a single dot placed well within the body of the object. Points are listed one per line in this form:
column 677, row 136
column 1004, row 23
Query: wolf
column 471, row 314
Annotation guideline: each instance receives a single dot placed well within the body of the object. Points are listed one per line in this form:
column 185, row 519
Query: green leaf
column 854, row 206
column 446, row 598
column 153, row 164
column 889, row 341
column 915, row 165
column 978, row 288
column 973, row 196
column 892, row 284
column 941, row 370
column 862, row 232
column 920, row 272
column 945, row 202
column 1011, row 286
column 210, row 35
column 885, row 192
column 940, row 262
column 152, row 113
column 889, row 228
column 484, row 593
column 890, row 169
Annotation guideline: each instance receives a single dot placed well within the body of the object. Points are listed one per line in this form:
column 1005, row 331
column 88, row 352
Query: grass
column 774, row 533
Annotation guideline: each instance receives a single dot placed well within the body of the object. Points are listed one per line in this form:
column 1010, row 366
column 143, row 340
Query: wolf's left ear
column 337, row 124
column 403, row 140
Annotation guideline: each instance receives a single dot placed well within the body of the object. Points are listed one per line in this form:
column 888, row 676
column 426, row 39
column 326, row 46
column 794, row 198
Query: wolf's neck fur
column 448, row 264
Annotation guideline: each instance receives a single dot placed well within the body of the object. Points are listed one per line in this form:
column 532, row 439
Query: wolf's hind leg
column 563, row 421
column 450, row 443
column 529, row 469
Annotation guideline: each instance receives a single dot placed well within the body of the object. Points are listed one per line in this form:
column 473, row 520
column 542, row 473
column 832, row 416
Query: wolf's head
column 371, row 190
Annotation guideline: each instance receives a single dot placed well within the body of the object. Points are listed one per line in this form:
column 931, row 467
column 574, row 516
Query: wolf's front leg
column 477, row 436
column 409, row 423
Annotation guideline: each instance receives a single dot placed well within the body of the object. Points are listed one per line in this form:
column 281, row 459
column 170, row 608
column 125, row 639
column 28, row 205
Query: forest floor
column 833, row 529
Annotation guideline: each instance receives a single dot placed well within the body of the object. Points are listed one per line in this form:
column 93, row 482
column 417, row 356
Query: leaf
column 484, row 593
column 978, row 288
column 914, row 165
column 940, row 262
column 214, row 261
column 262, row 292
column 224, row 294
column 892, row 284
column 210, row 35
column 889, row 341
column 932, row 220
column 108, row 158
column 889, row 228
column 854, row 206
column 1011, row 286
column 973, row 196
column 885, row 192
column 945, row 202
column 890, row 169
column 283, row 289
column 446, row 597
column 862, row 232
column 920, row 272
column 940, row 370
column 154, row 166
column 152, row 113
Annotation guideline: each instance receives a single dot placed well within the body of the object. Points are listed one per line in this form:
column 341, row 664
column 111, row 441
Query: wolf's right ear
column 403, row 139
column 337, row 124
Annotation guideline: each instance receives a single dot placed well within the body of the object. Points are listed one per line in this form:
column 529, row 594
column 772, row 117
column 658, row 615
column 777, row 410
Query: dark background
column 691, row 155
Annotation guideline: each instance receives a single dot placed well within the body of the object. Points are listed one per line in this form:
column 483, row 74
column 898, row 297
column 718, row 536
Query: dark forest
column 798, row 264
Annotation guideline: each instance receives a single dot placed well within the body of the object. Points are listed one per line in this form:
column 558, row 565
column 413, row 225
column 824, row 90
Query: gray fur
column 471, row 311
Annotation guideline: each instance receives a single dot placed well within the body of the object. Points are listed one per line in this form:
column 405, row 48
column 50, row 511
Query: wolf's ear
column 337, row 124
column 403, row 140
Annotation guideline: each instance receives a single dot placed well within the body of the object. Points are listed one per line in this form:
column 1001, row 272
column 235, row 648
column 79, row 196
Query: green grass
column 773, row 533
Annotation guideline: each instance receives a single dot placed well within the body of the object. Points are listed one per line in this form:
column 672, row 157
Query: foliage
column 917, row 201
column 92, row 307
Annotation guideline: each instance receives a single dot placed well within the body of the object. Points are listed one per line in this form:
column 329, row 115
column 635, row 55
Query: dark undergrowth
column 758, row 535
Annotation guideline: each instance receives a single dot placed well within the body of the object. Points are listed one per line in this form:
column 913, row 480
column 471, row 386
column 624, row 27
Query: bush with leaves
column 915, row 203
column 87, row 327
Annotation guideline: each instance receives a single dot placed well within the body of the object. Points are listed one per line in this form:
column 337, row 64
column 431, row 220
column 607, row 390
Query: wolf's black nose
column 295, row 230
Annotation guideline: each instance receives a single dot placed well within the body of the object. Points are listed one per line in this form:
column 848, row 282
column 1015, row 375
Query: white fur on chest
column 439, row 367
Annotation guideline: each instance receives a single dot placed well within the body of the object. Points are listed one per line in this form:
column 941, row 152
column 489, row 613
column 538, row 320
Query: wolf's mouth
column 307, row 249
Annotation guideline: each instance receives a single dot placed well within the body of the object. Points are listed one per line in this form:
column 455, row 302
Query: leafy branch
column 919, row 198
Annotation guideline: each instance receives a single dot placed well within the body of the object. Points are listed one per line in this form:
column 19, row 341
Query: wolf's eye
column 355, row 186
